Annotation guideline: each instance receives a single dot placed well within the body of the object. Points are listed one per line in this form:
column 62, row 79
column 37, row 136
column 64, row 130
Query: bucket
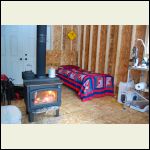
column 51, row 73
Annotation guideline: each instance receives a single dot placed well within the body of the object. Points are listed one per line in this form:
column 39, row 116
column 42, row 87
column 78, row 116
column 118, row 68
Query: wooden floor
column 105, row 110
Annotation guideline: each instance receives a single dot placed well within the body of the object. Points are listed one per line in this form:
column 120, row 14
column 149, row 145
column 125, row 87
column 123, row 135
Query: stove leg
column 31, row 117
column 57, row 113
column 27, row 112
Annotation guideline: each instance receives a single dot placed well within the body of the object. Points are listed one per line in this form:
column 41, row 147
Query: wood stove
column 41, row 92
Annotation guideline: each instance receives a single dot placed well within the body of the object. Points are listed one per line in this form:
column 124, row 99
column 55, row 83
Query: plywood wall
column 63, row 50
column 101, row 48
column 60, row 40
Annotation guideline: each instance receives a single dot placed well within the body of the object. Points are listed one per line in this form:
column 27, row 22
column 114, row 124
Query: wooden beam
column 98, row 48
column 90, row 47
column 107, row 49
column 75, row 41
column 118, row 54
column 124, row 54
column 71, row 40
column 87, row 42
column 66, row 40
column 79, row 40
column 81, row 44
column 102, row 52
column 113, row 49
column 62, row 30
column 94, row 45
column 57, row 37
column 83, row 51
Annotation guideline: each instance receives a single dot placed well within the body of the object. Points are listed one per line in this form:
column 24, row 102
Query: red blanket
column 88, row 85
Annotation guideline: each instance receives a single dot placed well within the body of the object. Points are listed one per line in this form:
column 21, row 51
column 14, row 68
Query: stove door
column 45, row 97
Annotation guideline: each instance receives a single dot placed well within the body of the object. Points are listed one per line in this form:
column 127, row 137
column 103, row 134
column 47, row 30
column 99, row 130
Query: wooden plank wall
column 60, row 40
column 94, row 44
column 102, row 48
column 118, row 45
column 57, row 33
column 123, row 61
column 112, row 49
column 81, row 44
column 87, row 44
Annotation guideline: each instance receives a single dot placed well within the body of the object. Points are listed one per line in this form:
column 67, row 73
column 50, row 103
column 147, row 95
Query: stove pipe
column 41, row 51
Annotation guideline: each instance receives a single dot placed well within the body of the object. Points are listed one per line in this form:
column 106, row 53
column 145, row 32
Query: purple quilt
column 88, row 85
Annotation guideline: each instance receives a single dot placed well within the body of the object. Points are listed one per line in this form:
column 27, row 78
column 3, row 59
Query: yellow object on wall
column 72, row 35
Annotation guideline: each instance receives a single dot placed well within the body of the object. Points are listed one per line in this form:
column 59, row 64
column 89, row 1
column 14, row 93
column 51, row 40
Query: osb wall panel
column 94, row 47
column 57, row 37
column 75, row 41
column 66, row 40
column 113, row 49
column 122, row 71
column 87, row 42
column 81, row 45
column 53, row 58
column 102, row 51
column 66, row 54
column 69, row 58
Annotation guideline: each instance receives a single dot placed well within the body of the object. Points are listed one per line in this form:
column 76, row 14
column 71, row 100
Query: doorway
column 18, row 50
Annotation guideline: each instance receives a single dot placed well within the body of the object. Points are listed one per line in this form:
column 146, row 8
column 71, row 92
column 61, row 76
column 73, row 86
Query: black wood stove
column 41, row 92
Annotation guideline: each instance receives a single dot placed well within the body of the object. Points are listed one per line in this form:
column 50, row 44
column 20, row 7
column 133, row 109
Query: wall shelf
column 139, row 68
column 141, row 93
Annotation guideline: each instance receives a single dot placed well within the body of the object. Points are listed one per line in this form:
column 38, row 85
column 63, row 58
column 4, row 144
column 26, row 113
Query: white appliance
column 125, row 94
column 51, row 73
column 140, row 105
column 140, row 86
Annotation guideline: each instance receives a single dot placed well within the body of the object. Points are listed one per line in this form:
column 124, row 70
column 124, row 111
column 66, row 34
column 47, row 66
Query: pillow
column 69, row 67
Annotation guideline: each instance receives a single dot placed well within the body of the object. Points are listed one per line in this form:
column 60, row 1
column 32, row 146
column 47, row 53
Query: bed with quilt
column 88, row 85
